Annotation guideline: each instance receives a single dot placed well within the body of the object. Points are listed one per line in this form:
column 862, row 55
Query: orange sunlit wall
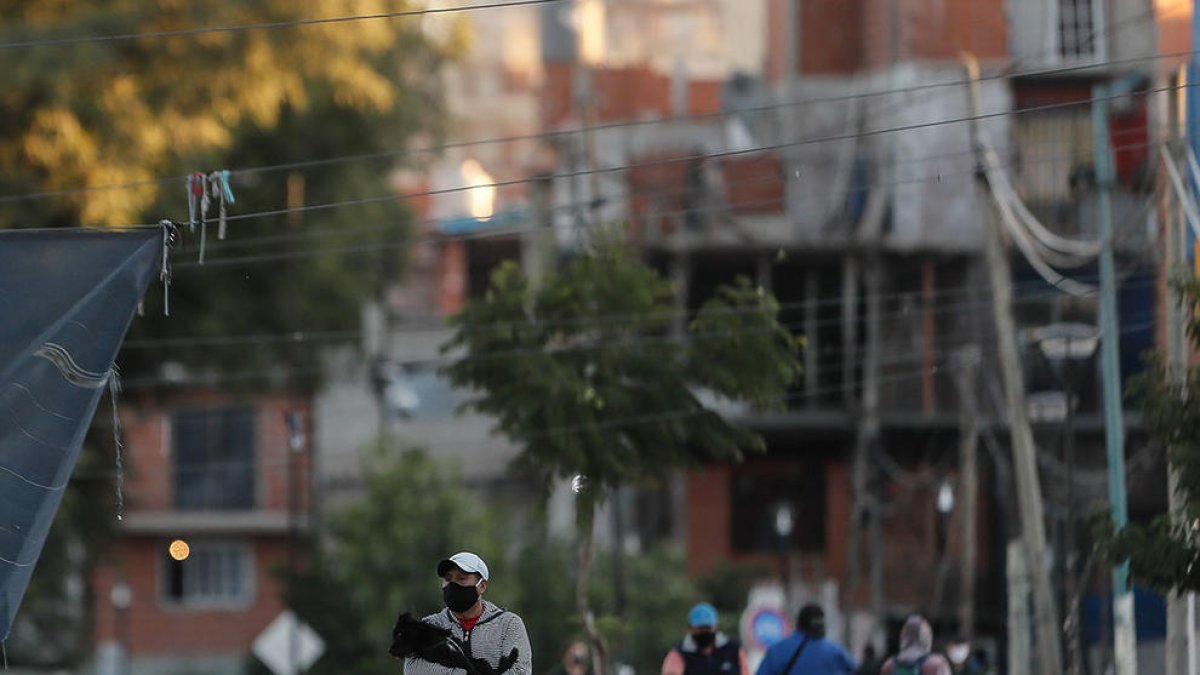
column 1174, row 25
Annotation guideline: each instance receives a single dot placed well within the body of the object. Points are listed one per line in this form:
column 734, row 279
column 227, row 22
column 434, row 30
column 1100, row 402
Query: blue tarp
column 66, row 299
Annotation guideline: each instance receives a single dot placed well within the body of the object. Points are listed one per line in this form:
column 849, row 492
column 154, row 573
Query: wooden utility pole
column 968, row 480
column 1029, row 489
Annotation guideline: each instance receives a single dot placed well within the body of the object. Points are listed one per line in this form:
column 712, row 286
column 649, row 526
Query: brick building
column 220, row 475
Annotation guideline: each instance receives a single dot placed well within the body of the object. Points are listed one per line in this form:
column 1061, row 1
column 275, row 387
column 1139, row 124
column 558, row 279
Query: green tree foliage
column 581, row 371
column 1165, row 553
column 382, row 560
column 91, row 114
column 81, row 117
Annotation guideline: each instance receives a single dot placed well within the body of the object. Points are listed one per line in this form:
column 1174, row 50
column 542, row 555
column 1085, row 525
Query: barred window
column 214, row 573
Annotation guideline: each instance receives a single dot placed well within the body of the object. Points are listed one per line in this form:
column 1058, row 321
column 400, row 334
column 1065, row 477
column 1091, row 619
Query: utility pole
column 1029, row 490
column 1124, row 636
column 1180, row 637
column 968, row 467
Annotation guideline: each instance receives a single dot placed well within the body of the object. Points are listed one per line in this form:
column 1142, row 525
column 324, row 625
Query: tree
column 80, row 117
column 1165, row 553
column 582, row 372
column 381, row 560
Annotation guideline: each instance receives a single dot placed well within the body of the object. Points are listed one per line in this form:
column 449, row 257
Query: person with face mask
column 471, row 635
column 962, row 661
column 806, row 651
column 916, row 655
column 705, row 650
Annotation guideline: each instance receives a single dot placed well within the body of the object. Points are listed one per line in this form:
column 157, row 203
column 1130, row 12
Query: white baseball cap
column 465, row 561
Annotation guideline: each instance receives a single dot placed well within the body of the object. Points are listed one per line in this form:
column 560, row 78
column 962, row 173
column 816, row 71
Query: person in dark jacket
column 474, row 637
column 705, row 650
column 807, row 652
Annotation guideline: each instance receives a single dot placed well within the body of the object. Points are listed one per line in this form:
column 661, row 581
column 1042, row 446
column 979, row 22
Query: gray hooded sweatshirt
column 496, row 633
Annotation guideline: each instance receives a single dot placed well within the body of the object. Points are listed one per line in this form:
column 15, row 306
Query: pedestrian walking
column 705, row 650
column 471, row 635
column 806, row 651
column 916, row 655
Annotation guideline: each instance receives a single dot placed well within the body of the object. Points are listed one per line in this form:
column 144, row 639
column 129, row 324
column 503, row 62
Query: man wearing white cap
column 483, row 639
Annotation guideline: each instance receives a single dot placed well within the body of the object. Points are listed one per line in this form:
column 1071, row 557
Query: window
column 214, row 573
column 1080, row 31
column 213, row 466
column 760, row 488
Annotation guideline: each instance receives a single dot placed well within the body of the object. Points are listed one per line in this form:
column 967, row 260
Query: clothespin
column 205, row 201
column 222, row 177
column 195, row 189
column 169, row 231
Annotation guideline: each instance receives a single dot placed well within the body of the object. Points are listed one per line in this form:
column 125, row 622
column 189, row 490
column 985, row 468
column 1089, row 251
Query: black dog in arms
column 416, row 638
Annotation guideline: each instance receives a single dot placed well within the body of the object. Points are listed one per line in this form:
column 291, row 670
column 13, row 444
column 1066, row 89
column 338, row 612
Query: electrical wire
column 936, row 309
column 939, row 367
column 270, row 25
column 720, row 209
column 600, row 127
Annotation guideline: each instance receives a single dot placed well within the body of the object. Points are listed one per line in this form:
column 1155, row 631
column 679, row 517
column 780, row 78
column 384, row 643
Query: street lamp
column 944, row 503
column 784, row 524
column 121, row 597
column 1066, row 346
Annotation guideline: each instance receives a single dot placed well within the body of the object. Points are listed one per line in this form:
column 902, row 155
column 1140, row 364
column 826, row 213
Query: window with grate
column 1080, row 30
column 213, row 461
column 213, row 574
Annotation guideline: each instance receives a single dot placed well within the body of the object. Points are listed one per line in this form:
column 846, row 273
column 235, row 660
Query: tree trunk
column 585, row 521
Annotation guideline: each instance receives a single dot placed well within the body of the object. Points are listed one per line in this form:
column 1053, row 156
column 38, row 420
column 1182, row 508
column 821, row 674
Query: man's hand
column 482, row 667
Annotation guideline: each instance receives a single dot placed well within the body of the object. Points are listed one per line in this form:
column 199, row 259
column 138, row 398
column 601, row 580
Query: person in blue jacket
column 807, row 652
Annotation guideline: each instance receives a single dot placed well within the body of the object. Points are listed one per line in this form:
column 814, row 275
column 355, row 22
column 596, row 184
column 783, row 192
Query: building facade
column 228, row 478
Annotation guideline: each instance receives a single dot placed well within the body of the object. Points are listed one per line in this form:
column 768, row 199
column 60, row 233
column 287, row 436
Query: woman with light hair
column 916, row 655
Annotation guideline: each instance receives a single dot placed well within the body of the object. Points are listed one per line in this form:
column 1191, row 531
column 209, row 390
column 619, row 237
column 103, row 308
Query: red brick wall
column 845, row 36
column 754, row 184
column 707, row 518
column 157, row 627
column 909, row 536
column 147, row 437
column 622, row 94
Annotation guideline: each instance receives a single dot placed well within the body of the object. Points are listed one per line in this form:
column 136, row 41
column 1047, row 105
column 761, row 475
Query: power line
column 941, row 366
column 270, row 25
column 689, row 157
column 1040, row 292
column 599, row 127
column 492, row 233
column 675, row 190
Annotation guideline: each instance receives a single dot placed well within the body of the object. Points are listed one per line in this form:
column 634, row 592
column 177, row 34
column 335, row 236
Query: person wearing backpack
column 807, row 652
column 916, row 655
column 705, row 650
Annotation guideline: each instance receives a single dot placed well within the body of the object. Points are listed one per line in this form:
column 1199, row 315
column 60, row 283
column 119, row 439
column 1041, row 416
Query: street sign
column 766, row 626
column 276, row 644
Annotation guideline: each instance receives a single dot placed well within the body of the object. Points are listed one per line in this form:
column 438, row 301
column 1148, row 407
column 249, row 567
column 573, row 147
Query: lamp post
column 1067, row 346
column 121, row 597
column 784, row 523
column 944, row 505
column 296, row 437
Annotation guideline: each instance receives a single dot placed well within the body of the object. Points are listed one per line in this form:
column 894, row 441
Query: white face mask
column 958, row 654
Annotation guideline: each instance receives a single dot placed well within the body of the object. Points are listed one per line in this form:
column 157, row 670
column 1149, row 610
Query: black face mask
column 704, row 639
column 459, row 598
